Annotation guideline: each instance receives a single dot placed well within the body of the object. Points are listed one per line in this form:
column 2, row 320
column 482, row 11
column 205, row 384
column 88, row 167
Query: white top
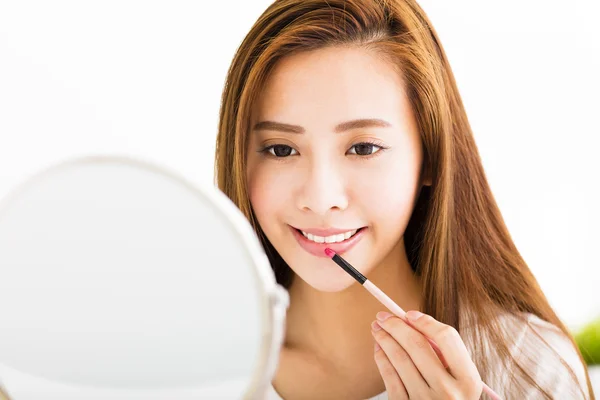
column 543, row 365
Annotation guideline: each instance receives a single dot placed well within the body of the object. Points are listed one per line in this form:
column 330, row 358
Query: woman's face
column 334, row 151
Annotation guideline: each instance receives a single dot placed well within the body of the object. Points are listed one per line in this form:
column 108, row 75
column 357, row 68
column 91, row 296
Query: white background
column 144, row 79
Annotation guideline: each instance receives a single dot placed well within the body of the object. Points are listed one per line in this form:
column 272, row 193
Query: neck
column 336, row 327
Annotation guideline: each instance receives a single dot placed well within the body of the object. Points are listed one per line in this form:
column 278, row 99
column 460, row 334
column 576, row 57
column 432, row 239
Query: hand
column 410, row 367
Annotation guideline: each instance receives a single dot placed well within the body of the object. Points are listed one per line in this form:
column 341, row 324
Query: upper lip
column 326, row 232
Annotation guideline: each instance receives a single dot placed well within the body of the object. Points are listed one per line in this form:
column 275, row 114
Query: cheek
column 267, row 192
column 388, row 194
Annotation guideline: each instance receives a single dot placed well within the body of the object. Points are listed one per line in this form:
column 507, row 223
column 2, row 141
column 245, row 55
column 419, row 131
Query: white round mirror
column 121, row 279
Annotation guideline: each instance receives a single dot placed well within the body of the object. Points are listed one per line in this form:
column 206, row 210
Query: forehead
column 331, row 85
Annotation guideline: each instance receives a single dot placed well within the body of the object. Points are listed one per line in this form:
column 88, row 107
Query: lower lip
column 318, row 249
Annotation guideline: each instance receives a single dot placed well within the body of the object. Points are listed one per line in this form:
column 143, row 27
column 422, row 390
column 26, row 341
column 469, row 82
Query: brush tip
column 330, row 253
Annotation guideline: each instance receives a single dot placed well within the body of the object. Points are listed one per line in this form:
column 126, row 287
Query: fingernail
column 414, row 315
column 382, row 315
column 375, row 326
column 377, row 347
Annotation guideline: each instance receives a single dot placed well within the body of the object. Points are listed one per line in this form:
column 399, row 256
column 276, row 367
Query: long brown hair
column 456, row 239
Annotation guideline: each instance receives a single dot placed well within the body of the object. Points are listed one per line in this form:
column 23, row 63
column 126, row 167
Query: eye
column 280, row 150
column 364, row 149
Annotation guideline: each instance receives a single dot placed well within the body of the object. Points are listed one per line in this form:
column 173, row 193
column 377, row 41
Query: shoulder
column 272, row 394
column 547, row 354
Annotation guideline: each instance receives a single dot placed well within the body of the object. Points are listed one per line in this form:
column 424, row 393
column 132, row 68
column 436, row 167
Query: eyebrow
column 344, row 126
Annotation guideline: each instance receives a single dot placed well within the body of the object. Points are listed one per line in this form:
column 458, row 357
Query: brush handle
column 397, row 310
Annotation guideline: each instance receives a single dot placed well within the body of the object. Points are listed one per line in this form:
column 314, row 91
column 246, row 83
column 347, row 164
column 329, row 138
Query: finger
column 393, row 384
column 384, row 315
column 449, row 342
column 414, row 383
column 419, row 350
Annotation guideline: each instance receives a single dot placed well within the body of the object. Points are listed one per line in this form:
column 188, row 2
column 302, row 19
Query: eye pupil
column 281, row 150
column 364, row 149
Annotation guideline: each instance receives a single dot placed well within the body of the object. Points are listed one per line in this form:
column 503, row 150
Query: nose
column 323, row 189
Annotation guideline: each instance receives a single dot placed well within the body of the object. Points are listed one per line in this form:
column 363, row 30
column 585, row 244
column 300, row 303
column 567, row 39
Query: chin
column 329, row 285
column 325, row 276
column 321, row 273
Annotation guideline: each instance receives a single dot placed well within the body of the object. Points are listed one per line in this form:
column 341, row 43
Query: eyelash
column 381, row 147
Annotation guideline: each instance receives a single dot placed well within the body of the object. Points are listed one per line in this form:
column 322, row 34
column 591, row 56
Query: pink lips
column 318, row 249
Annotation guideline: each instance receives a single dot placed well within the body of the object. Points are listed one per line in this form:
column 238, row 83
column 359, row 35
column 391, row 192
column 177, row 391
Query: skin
column 366, row 176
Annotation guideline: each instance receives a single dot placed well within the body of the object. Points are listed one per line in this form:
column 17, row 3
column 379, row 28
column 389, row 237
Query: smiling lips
column 315, row 241
column 340, row 237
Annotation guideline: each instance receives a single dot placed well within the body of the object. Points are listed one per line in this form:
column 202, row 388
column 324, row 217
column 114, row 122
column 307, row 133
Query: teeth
column 329, row 239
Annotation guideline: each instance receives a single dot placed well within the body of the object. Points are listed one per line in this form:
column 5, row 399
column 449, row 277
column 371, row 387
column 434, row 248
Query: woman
column 341, row 126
